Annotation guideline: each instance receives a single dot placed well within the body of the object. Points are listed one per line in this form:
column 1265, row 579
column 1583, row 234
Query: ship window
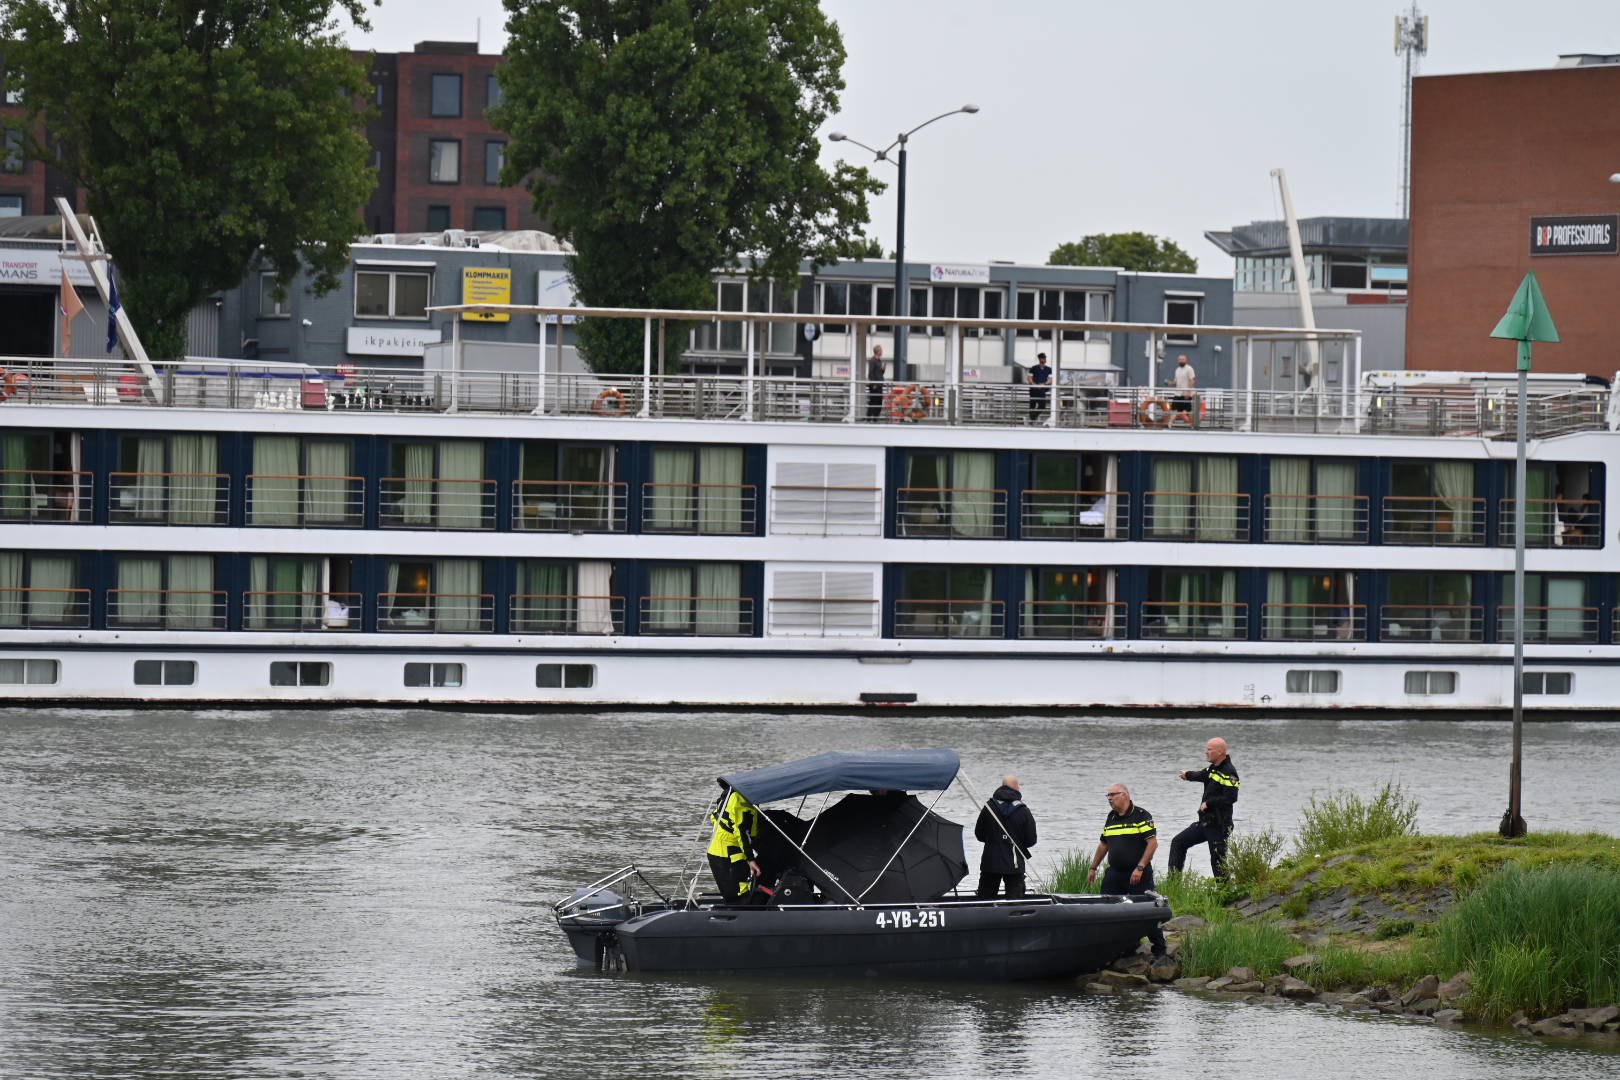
column 165, row 672
column 1548, row 682
column 565, row 676
column 29, row 672
column 1313, row 682
column 443, row 675
column 1431, row 682
column 300, row 673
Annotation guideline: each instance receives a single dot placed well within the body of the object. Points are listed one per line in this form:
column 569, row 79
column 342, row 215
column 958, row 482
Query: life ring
column 1185, row 416
column 907, row 403
column 1155, row 412
column 13, row 383
column 7, row 381
column 608, row 403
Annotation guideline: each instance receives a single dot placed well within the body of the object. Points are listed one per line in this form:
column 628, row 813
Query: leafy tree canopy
column 201, row 132
column 668, row 138
column 1130, row 251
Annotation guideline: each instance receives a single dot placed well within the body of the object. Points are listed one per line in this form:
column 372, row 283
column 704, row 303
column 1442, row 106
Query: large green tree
column 1130, row 251
column 201, row 131
column 668, row 138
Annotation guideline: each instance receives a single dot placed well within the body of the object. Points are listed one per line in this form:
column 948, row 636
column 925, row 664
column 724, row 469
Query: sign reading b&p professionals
column 486, row 285
column 1586, row 234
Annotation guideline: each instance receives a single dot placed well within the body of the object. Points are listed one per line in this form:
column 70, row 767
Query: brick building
column 26, row 187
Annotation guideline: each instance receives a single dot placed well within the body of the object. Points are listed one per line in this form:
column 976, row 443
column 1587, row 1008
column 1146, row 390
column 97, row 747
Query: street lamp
column 902, row 291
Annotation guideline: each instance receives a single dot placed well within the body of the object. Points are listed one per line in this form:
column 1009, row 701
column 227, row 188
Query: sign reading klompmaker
column 1588, row 234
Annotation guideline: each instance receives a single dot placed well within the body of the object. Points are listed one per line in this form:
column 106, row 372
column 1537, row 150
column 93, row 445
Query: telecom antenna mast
column 1411, row 43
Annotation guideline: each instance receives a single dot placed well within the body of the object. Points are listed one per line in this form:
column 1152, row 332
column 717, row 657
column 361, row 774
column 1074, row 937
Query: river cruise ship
column 225, row 531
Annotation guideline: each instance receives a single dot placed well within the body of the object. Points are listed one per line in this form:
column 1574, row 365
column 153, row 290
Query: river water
column 361, row 893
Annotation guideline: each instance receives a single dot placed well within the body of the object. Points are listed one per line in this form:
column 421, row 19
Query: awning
column 854, row 770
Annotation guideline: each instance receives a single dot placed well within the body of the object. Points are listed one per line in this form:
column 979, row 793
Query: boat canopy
column 852, row 770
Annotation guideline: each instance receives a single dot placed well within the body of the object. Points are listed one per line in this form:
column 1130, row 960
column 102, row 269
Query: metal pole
column 540, row 394
column 902, row 289
column 1513, row 821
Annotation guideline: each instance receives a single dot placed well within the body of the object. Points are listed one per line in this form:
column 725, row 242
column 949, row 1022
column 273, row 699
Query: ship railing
column 794, row 616
column 46, row 495
column 966, row 513
column 291, row 501
column 44, row 608
column 1316, row 519
column 1197, row 621
column 806, row 510
column 923, row 618
column 1431, row 622
column 1071, row 620
column 698, row 509
column 154, row 498
column 1074, row 515
column 1313, row 622
column 1207, row 516
column 568, row 506
column 558, row 613
column 276, row 609
column 698, row 616
column 436, row 613
column 1433, row 521
column 1550, row 625
column 436, row 503
column 1570, row 523
column 166, row 609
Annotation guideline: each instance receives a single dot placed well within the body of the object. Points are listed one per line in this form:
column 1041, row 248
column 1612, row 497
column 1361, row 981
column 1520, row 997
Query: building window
column 446, row 95
column 447, row 676
column 1540, row 682
column 14, row 88
column 271, row 306
column 11, row 206
column 493, row 93
column 165, row 672
column 444, row 161
column 1431, row 683
column 565, row 676
column 391, row 294
column 376, row 160
column 300, row 673
column 1065, row 305
column 964, row 302
column 489, row 218
column 14, row 159
column 494, row 158
column 377, row 94
column 1313, row 682
column 29, row 672
column 948, row 602
column 438, row 218
column 1183, row 311
column 41, row 590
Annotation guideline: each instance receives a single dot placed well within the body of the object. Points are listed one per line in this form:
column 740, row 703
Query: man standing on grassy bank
column 1129, row 839
column 1214, row 822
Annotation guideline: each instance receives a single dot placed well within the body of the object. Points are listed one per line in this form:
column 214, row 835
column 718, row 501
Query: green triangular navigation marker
column 1527, row 318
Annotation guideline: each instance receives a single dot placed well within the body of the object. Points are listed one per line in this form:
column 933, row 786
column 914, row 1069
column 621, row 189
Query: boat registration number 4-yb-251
column 910, row 920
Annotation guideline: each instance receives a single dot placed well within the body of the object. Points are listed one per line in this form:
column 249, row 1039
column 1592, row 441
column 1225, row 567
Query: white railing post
column 854, row 382
column 455, row 363
column 646, row 367
column 540, row 397
column 748, row 377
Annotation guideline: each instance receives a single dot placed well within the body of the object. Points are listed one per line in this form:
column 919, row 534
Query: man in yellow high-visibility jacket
column 732, row 857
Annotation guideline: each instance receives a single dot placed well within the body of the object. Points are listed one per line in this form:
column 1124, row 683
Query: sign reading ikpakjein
column 486, row 285
column 1586, row 234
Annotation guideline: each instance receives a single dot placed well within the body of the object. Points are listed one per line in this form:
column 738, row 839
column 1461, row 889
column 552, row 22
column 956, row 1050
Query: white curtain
column 13, row 600
column 458, row 605
column 1290, row 510
column 461, row 494
column 275, row 481
column 194, row 488
column 190, row 599
column 1336, row 509
column 416, row 486
column 669, row 603
column 670, row 503
column 16, row 488
column 595, row 599
column 547, row 601
column 720, row 604
column 1217, row 498
column 720, row 500
column 54, row 580
column 1454, row 484
column 139, row 595
column 973, row 502
column 1170, row 508
column 1111, row 507
column 257, row 614
column 145, row 491
column 326, row 488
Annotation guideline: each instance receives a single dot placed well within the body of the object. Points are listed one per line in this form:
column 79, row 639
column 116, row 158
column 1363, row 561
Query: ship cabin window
column 698, row 489
column 24, row 672
column 703, row 599
column 437, row 485
column 566, row 598
column 1314, row 501
column 1198, row 604
column 565, row 676
column 1548, row 682
column 1070, row 603
column 300, row 673
column 1073, row 497
column 435, row 595
column 1195, row 498
column 1312, row 605
column 42, row 590
column 568, row 487
column 443, row 676
column 1065, row 305
column 41, row 477
column 1312, row 682
column 948, row 602
column 165, row 672
column 168, row 592
column 1558, row 609
column 762, row 297
column 1431, row 606
column 1564, row 508
column 169, row 480
column 304, row 481
column 1431, row 683
column 951, row 493
column 1433, row 502
column 301, row 592
column 381, row 293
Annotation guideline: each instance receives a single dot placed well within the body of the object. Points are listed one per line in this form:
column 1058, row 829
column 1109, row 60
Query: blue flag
column 112, row 311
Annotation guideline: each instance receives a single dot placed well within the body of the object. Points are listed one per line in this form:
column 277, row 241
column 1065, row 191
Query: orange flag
column 71, row 307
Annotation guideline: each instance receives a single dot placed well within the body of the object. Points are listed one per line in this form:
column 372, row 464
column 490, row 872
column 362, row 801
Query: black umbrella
column 852, row 844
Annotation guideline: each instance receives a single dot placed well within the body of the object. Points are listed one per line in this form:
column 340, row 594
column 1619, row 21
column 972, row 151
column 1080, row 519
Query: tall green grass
column 1070, row 875
column 1221, row 946
column 1344, row 819
column 1250, row 857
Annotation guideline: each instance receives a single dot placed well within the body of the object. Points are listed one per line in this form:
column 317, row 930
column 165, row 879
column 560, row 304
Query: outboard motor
column 588, row 918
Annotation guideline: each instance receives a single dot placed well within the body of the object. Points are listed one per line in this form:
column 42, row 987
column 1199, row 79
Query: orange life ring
column 1155, row 412
column 899, row 402
column 1185, row 416
column 608, row 403
column 13, row 383
column 7, row 382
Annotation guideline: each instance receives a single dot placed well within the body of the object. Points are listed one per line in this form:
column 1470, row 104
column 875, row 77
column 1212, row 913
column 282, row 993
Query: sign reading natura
column 1587, row 234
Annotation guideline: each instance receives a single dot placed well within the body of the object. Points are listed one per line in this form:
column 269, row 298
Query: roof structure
column 858, row 770
column 1340, row 235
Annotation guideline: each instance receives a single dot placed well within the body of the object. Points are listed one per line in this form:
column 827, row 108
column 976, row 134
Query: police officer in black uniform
column 1214, row 822
column 1129, row 840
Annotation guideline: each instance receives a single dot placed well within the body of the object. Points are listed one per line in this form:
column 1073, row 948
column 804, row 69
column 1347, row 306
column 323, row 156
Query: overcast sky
column 1105, row 117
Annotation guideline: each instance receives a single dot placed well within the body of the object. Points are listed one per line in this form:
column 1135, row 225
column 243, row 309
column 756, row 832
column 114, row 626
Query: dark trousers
column 1117, row 882
column 874, row 401
column 731, row 877
column 989, row 884
column 1039, row 401
column 1202, row 832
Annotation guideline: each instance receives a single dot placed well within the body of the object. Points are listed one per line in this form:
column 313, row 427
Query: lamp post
column 902, row 290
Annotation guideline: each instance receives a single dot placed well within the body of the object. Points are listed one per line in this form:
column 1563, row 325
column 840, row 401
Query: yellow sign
column 486, row 285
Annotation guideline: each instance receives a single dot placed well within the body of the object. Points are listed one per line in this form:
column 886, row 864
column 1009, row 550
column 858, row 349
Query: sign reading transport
column 1587, row 234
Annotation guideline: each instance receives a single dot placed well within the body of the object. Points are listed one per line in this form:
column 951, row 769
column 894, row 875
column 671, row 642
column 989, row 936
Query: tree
column 201, row 133
column 668, row 138
column 1130, row 251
